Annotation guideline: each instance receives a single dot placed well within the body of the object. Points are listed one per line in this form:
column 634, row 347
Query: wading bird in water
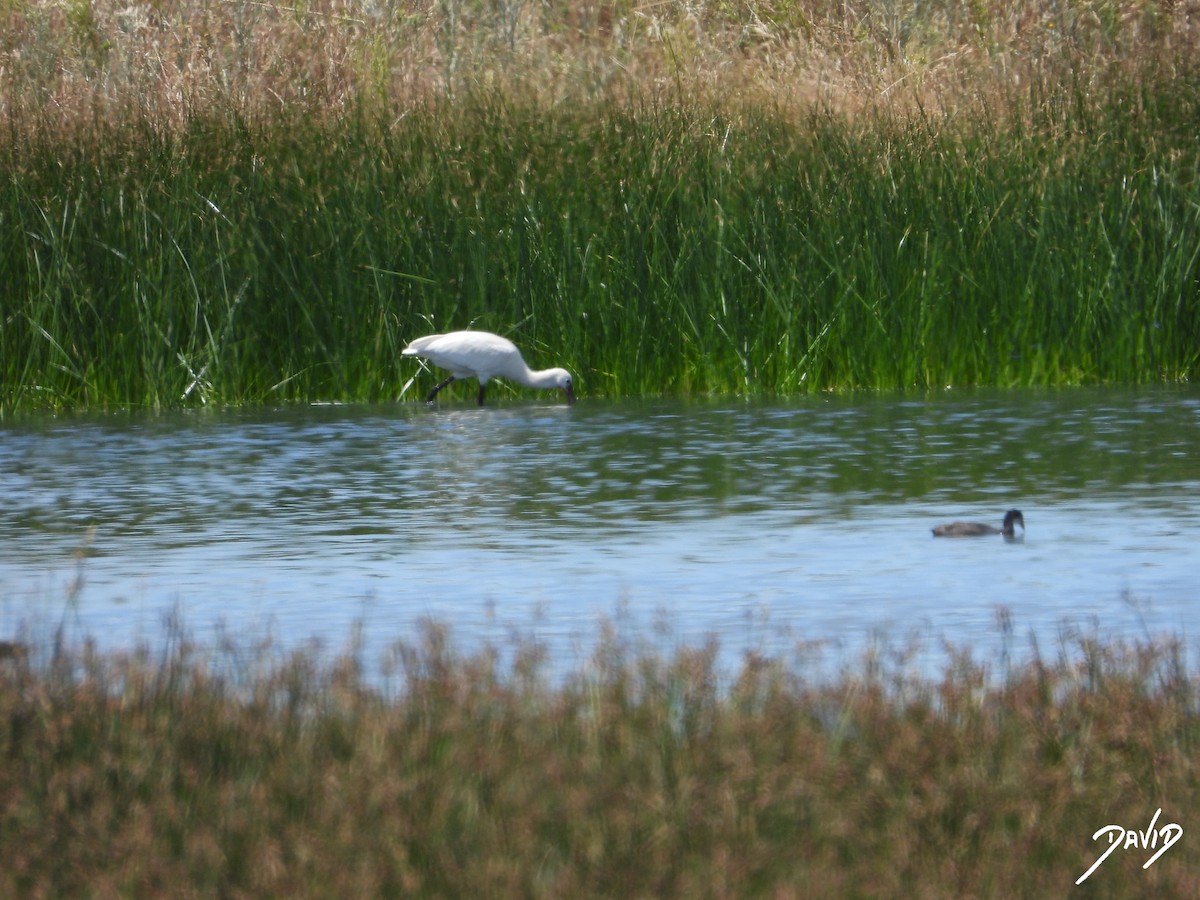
column 975, row 529
column 482, row 355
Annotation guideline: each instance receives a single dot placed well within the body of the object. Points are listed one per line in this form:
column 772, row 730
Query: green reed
column 241, row 771
column 654, row 245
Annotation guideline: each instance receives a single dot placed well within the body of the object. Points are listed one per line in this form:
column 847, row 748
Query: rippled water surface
column 769, row 525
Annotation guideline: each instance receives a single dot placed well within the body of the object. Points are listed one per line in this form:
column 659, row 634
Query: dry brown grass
column 241, row 776
column 71, row 62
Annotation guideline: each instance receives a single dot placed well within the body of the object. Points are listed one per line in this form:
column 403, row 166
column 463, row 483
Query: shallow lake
column 771, row 525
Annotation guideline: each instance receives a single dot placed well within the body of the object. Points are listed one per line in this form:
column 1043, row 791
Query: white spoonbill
column 483, row 355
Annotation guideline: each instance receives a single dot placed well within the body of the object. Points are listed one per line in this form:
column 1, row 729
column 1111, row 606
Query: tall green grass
column 241, row 772
column 650, row 241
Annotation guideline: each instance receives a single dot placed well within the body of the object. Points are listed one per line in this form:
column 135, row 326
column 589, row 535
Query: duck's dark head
column 1011, row 518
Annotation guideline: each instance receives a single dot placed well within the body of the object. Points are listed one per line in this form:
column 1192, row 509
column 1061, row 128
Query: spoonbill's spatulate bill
column 976, row 529
column 483, row 355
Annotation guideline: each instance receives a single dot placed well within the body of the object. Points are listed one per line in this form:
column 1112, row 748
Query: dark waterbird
column 976, row 529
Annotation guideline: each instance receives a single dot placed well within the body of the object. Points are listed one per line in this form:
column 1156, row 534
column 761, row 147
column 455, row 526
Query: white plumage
column 483, row 355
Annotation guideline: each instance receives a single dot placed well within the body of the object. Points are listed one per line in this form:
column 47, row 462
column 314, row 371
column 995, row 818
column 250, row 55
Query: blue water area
column 798, row 528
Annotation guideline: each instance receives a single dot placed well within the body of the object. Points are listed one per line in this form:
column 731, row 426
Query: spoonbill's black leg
column 482, row 388
column 434, row 392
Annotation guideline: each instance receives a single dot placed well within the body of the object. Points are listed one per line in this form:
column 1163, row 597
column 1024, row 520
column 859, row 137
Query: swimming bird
column 974, row 529
column 483, row 355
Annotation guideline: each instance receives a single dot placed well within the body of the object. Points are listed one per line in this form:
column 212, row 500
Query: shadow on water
column 769, row 524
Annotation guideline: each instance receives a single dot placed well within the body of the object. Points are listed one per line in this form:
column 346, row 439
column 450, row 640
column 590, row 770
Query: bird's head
column 562, row 378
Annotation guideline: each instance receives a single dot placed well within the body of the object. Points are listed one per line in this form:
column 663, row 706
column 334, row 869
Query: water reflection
column 811, row 515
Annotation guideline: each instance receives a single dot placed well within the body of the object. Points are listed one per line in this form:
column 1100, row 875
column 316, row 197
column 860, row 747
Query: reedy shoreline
column 250, row 207
column 243, row 772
